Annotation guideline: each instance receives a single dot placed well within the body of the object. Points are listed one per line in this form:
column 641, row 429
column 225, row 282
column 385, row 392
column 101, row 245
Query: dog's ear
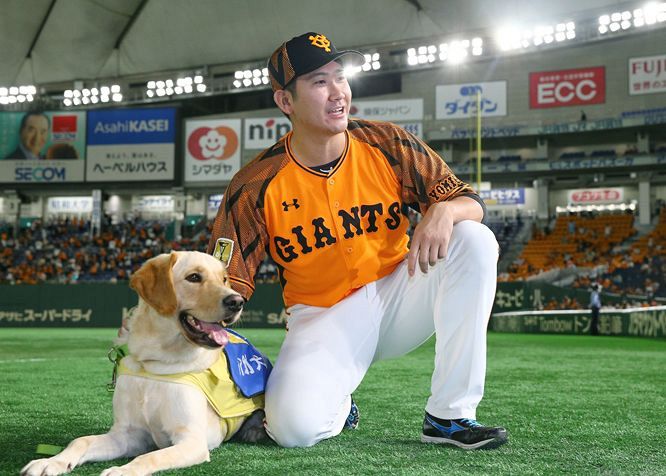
column 154, row 283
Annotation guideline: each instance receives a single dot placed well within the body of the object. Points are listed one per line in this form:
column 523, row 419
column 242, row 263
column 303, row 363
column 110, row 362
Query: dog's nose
column 234, row 302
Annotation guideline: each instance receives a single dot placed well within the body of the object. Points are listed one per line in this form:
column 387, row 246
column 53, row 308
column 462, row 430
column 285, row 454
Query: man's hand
column 430, row 241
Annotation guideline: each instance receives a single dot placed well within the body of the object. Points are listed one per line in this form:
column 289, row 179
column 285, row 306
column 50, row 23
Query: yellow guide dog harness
column 234, row 385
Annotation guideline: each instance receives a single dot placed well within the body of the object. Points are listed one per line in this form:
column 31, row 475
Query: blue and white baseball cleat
column 464, row 433
column 352, row 419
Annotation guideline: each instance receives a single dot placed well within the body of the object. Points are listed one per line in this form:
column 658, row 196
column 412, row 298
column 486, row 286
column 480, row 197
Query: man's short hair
column 24, row 120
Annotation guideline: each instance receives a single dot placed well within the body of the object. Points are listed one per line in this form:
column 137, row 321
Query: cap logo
column 320, row 41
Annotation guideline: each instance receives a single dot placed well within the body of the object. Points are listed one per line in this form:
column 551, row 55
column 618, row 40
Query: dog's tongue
column 215, row 332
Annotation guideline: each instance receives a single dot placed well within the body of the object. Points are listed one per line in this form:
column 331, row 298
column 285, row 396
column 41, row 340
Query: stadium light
column 20, row 94
column 453, row 52
column 175, row 86
column 250, row 78
column 372, row 63
column 94, row 95
column 513, row 38
column 650, row 14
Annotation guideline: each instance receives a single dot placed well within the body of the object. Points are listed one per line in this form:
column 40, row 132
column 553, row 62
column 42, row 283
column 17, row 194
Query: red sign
column 206, row 143
column 596, row 195
column 64, row 123
column 568, row 87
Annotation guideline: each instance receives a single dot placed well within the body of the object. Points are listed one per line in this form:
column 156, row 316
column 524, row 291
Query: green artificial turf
column 572, row 405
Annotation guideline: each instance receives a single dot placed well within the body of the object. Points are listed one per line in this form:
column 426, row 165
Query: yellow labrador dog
column 176, row 331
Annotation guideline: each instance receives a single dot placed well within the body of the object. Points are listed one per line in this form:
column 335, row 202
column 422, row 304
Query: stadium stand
column 573, row 155
column 63, row 251
column 605, row 250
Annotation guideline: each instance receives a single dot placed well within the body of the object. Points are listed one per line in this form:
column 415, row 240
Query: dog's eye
column 226, row 280
column 194, row 278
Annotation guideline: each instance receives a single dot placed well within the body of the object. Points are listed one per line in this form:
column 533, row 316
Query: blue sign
column 214, row 201
column 132, row 126
column 504, row 196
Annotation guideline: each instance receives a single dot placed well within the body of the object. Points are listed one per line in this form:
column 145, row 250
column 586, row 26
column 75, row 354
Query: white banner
column 391, row 110
column 130, row 145
column 260, row 133
column 41, row 171
column 647, row 75
column 130, row 162
column 212, row 149
column 459, row 101
column 69, row 205
column 596, row 196
column 154, row 203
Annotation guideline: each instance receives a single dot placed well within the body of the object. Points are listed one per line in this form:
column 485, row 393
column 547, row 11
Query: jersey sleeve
column 425, row 177
column 239, row 236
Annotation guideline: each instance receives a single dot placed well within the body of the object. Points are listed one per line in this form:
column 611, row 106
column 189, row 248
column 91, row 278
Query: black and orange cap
column 302, row 55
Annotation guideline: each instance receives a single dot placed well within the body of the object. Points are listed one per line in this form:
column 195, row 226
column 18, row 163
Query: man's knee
column 478, row 242
column 299, row 416
column 291, row 425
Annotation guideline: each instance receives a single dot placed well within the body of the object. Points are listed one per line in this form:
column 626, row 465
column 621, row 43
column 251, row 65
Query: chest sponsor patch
column 224, row 248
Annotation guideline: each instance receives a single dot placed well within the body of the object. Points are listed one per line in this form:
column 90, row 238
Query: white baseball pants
column 327, row 351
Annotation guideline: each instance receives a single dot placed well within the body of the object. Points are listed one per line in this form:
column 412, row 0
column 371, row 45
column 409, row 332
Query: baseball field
column 572, row 405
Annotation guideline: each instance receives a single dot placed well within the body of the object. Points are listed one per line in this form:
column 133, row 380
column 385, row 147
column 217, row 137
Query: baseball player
column 329, row 203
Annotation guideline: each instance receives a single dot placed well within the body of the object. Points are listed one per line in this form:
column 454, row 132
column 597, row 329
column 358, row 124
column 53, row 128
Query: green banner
column 105, row 304
column 638, row 322
column 521, row 296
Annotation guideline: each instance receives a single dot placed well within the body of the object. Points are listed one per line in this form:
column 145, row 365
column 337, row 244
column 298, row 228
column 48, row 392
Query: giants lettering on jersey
column 317, row 234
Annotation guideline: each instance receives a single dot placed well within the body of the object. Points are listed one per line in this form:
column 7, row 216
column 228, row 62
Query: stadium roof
column 47, row 41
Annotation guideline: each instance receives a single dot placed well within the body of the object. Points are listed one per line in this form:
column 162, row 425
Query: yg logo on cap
column 320, row 41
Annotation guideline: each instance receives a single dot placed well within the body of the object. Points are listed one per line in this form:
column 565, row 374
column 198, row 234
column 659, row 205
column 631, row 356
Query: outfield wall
column 638, row 322
column 105, row 304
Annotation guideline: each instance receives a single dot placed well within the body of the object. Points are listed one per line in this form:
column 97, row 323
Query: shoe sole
column 485, row 444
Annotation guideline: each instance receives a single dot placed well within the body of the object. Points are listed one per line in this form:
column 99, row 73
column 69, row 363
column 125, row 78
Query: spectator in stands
column 33, row 133
column 595, row 306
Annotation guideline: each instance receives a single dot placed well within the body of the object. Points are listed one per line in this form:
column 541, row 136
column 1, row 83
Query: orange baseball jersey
column 329, row 234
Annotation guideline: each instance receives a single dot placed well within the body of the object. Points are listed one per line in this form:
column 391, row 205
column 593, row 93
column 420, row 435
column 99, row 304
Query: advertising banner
column 568, row 87
column 42, row 147
column 57, row 205
column 212, row 149
column 131, row 145
column 394, row 110
column 636, row 322
column 503, row 196
column 459, row 101
column 647, row 75
column 261, row 133
column 596, row 196
column 106, row 305
column 154, row 203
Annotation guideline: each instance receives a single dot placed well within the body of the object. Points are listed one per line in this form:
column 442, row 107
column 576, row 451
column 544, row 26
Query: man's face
column 33, row 134
column 322, row 100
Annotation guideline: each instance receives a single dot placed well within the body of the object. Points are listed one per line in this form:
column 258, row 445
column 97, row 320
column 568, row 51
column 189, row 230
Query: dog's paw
column 253, row 430
column 126, row 470
column 45, row 467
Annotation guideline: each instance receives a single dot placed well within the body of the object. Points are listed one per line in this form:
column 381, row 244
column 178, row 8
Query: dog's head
column 193, row 288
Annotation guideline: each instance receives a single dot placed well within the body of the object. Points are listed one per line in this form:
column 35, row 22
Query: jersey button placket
column 334, row 205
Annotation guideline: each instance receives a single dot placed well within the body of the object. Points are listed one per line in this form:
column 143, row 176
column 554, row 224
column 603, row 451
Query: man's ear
column 284, row 101
column 154, row 283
